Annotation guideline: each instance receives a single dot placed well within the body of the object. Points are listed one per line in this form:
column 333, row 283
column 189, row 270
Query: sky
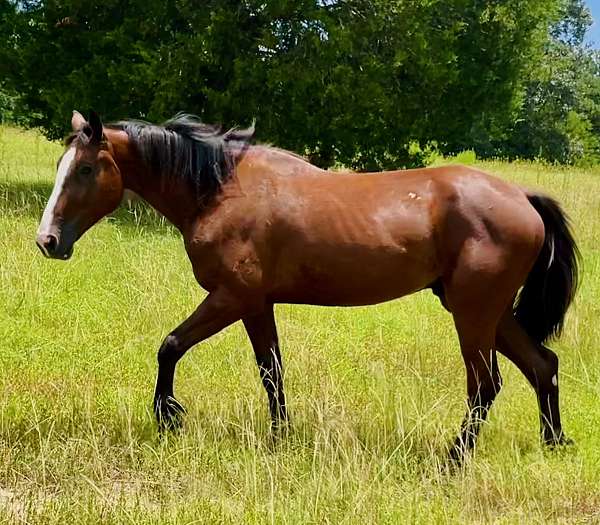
column 593, row 35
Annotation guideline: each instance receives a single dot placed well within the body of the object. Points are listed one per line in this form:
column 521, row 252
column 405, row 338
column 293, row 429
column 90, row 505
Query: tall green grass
column 375, row 394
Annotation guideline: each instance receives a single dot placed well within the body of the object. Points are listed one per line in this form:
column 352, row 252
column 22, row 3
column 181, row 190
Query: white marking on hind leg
column 554, row 380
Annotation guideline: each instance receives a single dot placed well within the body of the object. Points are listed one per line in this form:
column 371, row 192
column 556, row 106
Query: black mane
column 184, row 147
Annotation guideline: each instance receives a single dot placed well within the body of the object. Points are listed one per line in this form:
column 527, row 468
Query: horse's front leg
column 262, row 332
column 217, row 311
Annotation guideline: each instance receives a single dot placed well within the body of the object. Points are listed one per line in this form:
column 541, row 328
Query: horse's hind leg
column 540, row 366
column 476, row 336
column 477, row 295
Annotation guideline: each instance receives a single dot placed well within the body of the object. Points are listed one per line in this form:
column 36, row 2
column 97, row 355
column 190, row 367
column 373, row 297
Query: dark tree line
column 354, row 82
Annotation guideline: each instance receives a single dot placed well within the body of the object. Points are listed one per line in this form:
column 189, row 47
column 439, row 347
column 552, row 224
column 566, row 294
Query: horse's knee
column 170, row 350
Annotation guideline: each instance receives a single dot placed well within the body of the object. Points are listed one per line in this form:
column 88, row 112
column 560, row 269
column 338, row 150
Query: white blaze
column 61, row 175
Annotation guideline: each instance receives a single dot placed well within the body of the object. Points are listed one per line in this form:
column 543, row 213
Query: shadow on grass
column 28, row 199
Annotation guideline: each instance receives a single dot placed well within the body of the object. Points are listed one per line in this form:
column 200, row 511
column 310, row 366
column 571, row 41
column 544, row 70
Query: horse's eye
column 84, row 170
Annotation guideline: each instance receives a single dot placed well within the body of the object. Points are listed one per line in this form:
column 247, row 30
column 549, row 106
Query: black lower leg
column 547, row 391
column 167, row 409
column 483, row 387
column 262, row 332
column 270, row 370
column 540, row 366
column 470, row 427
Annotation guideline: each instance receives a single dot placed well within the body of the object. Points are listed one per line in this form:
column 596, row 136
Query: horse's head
column 88, row 186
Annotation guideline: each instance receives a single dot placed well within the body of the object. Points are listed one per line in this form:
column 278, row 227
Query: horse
column 262, row 226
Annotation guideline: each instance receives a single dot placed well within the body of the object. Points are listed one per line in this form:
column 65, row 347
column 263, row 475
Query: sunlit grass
column 375, row 394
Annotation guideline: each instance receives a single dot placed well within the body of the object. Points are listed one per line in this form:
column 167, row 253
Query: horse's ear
column 77, row 121
column 96, row 125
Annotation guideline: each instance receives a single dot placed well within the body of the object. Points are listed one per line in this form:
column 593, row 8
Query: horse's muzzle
column 49, row 245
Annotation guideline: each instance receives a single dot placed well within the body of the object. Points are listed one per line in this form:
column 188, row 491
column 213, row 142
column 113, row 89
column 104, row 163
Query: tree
column 560, row 116
column 352, row 82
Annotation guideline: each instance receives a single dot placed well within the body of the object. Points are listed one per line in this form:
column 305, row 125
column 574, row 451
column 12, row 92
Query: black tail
column 552, row 282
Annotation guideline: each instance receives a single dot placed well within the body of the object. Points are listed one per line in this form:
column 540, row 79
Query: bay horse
column 262, row 226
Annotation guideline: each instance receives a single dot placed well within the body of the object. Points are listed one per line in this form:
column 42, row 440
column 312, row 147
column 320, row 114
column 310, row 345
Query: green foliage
column 423, row 155
column 350, row 82
column 12, row 110
column 467, row 157
column 559, row 119
column 7, row 106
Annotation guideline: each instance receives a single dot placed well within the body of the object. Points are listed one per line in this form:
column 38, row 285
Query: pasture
column 375, row 394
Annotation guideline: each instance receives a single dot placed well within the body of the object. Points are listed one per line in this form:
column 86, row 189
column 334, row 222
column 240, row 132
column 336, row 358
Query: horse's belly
column 366, row 278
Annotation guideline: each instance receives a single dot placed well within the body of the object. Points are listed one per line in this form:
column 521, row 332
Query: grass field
column 375, row 394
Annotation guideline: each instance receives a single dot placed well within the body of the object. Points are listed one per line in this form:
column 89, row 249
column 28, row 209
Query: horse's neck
column 171, row 198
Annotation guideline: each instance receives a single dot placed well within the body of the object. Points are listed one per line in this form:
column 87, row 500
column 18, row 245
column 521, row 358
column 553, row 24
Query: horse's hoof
column 456, row 455
column 558, row 442
column 278, row 432
column 454, row 460
column 169, row 414
column 280, row 428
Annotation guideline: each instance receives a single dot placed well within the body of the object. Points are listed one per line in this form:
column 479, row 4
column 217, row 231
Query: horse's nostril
column 47, row 244
column 50, row 243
